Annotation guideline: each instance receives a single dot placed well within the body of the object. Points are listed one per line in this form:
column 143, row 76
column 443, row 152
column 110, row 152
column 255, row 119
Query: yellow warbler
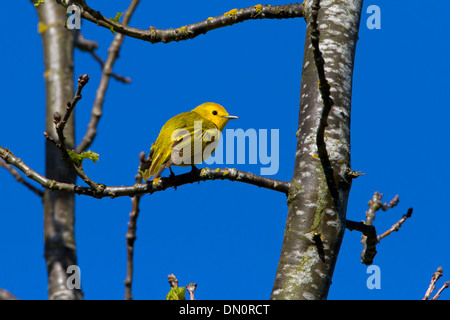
column 188, row 138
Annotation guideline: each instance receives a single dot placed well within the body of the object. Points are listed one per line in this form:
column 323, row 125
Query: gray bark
column 316, row 222
column 59, row 207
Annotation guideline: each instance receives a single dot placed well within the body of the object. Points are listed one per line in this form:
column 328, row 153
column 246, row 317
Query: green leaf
column 78, row 158
column 116, row 19
column 118, row 15
column 176, row 293
column 39, row 2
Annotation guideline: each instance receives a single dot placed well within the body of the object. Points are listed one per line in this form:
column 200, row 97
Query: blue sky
column 227, row 236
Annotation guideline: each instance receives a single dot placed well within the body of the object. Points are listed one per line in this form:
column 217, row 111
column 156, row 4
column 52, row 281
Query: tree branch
column 369, row 239
column 397, row 225
column 6, row 295
column 438, row 274
column 190, row 31
column 90, row 46
column 20, row 179
column 173, row 281
column 161, row 184
column 59, row 127
column 60, row 123
column 191, row 289
column 84, row 44
column 100, row 190
column 97, row 108
column 438, row 294
column 131, row 235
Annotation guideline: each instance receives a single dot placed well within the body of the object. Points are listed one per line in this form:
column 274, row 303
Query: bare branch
column 20, row 179
column 82, row 81
column 90, row 46
column 397, row 225
column 131, row 236
column 84, row 44
column 375, row 204
column 59, row 126
column 161, row 184
column 369, row 239
column 190, row 31
column 6, row 295
column 369, row 242
column 439, row 273
column 173, row 281
column 191, row 289
column 438, row 294
column 60, row 123
column 97, row 108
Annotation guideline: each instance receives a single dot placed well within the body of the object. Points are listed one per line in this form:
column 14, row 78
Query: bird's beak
column 231, row 117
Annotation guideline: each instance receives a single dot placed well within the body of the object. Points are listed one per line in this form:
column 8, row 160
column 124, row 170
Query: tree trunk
column 59, row 207
column 316, row 221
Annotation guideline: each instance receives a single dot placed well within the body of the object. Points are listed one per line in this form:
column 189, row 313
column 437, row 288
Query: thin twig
column 84, row 44
column 439, row 273
column 131, row 238
column 173, row 281
column 375, row 204
column 191, row 289
column 97, row 108
column 397, row 225
column 190, row 31
column 20, row 179
column 60, row 123
column 438, row 294
column 118, row 77
column 369, row 243
column 161, row 184
column 369, row 239
column 90, row 46
column 82, row 81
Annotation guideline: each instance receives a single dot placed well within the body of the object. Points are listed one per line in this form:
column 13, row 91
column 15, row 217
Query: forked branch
column 369, row 239
column 438, row 274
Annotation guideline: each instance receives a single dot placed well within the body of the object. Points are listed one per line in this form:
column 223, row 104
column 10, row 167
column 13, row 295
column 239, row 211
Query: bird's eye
column 214, row 112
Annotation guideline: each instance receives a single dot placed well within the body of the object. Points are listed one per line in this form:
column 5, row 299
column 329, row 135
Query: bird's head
column 215, row 113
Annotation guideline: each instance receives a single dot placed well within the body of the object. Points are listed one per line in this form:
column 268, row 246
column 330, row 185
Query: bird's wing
column 184, row 146
column 193, row 139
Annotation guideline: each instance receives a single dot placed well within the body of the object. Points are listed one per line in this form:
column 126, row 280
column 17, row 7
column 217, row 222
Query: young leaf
column 176, row 294
column 78, row 158
column 116, row 19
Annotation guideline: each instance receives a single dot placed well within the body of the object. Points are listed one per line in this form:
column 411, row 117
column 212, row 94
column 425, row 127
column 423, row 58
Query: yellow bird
column 187, row 139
